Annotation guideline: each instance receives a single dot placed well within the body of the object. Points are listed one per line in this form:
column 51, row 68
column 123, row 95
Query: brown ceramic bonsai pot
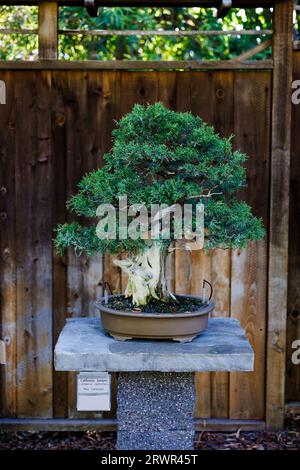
column 182, row 327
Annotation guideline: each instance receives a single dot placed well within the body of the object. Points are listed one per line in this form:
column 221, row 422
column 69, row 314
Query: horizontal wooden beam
column 106, row 32
column 153, row 3
column 181, row 33
column 22, row 32
column 229, row 425
column 136, row 65
column 26, row 424
column 23, row 424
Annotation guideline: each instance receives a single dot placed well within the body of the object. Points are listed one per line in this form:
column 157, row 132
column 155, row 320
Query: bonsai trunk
column 146, row 275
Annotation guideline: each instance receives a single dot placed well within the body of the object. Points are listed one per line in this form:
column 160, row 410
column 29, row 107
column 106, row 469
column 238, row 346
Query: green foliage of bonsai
column 162, row 157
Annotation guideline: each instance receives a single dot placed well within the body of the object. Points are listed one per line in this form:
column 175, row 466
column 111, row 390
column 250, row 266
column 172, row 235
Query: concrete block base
column 155, row 411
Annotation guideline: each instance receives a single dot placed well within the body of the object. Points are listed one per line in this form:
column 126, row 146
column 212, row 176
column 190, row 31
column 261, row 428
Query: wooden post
column 48, row 27
column 279, row 212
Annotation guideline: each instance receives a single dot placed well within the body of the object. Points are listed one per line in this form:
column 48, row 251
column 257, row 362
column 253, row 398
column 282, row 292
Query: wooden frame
column 45, row 64
column 279, row 212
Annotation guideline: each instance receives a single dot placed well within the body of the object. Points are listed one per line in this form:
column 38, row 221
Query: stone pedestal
column 155, row 411
column 156, row 382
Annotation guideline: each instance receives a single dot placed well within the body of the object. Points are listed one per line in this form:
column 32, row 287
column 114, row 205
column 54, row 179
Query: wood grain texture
column 223, row 116
column 93, row 270
column 161, row 32
column 279, row 212
column 167, row 94
column 293, row 319
column 59, row 214
column 249, row 266
column 110, row 110
column 194, row 93
column 83, row 276
column 136, row 65
column 8, row 304
column 33, row 246
column 48, row 30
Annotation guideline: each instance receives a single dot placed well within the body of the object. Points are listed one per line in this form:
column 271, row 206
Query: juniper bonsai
column 161, row 157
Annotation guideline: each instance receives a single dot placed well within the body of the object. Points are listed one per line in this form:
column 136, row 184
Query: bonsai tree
column 161, row 157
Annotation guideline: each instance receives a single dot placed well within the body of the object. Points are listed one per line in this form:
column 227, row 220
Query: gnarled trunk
column 146, row 275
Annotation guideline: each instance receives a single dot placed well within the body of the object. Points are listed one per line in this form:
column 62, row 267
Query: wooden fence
column 55, row 127
column 293, row 324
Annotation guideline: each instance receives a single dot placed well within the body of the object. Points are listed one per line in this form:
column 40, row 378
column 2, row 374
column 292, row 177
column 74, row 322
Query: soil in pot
column 181, row 305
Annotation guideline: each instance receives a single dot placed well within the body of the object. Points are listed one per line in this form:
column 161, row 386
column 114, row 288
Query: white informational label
column 93, row 391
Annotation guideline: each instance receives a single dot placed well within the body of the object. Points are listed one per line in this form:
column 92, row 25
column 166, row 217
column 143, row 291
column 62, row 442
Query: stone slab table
column 156, row 393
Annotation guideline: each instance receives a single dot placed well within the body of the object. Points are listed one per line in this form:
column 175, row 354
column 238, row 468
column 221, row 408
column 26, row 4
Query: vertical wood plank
column 221, row 281
column 84, row 278
column 279, row 212
column 249, row 266
column 93, row 273
column 8, row 306
column 34, row 253
column 221, row 259
column 201, row 104
column 59, row 87
column 194, row 93
column 48, row 30
column 167, row 89
column 111, row 112
column 141, row 87
column 42, row 237
column 24, row 148
column 293, row 319
column 167, row 95
column 75, row 131
column 200, row 270
column 76, row 106
column 81, row 158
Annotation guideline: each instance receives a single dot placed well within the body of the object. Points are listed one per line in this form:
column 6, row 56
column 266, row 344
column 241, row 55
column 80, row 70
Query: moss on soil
column 183, row 305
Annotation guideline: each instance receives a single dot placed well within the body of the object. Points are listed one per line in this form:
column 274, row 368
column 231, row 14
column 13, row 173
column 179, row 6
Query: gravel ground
column 289, row 439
